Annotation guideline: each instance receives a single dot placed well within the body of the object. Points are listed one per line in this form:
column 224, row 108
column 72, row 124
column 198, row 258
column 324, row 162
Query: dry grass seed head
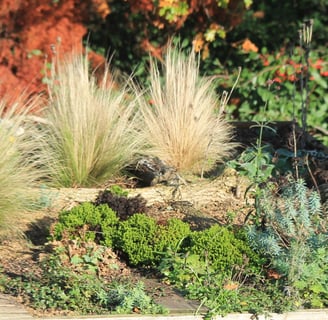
column 183, row 127
column 91, row 135
column 19, row 163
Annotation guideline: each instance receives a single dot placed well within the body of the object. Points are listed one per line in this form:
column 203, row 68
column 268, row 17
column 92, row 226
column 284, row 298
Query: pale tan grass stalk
column 19, row 172
column 91, row 135
column 183, row 126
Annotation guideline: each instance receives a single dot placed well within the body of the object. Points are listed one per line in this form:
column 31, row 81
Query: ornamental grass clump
column 90, row 135
column 183, row 124
column 19, row 171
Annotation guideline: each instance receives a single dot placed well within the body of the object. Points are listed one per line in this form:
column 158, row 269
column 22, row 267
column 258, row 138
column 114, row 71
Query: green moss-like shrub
column 172, row 236
column 143, row 242
column 221, row 247
column 87, row 222
column 136, row 239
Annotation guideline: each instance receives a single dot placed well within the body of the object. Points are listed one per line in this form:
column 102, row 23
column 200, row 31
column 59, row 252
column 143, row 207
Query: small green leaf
column 76, row 260
column 319, row 79
column 317, row 288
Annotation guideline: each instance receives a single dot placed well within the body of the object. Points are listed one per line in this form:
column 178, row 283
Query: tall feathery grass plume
column 90, row 135
column 183, row 124
column 20, row 172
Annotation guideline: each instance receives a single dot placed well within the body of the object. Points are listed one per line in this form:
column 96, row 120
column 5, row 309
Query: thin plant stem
column 305, row 37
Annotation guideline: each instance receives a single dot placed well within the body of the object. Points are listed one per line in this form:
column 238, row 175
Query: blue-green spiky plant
column 290, row 233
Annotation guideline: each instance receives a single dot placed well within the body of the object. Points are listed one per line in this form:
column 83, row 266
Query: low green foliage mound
column 139, row 238
column 220, row 246
column 218, row 268
column 87, row 222
column 216, row 250
column 136, row 238
column 173, row 236
column 144, row 242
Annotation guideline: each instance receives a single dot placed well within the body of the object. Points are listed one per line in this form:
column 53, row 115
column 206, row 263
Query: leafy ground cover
column 21, row 256
column 73, row 249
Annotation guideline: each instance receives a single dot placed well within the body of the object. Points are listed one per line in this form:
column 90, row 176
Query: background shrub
column 270, row 89
column 136, row 29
